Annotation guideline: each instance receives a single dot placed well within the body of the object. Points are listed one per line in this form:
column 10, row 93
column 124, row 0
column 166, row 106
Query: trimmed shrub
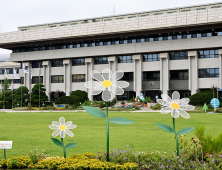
column 81, row 95
column 67, row 100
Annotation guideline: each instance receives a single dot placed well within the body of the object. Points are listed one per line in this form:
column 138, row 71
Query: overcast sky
column 14, row 13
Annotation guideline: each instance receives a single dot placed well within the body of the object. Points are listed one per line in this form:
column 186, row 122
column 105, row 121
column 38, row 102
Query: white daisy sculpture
column 61, row 128
column 106, row 83
column 177, row 107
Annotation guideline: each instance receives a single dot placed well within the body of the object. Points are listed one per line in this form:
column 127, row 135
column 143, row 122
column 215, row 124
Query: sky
column 15, row 13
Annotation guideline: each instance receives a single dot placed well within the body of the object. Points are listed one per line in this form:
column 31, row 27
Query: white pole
column 13, row 84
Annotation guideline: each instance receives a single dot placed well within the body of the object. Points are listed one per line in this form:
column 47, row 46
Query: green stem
column 176, row 136
column 64, row 150
column 107, row 132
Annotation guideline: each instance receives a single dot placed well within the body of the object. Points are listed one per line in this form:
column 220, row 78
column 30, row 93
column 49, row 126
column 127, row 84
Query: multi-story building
column 159, row 51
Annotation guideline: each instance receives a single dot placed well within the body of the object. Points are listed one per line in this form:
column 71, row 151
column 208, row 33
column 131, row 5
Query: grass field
column 30, row 130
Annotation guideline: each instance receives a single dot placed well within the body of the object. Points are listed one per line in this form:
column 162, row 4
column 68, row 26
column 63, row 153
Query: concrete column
column 164, row 73
column 137, row 73
column 26, row 75
column 193, row 71
column 47, row 75
column 89, row 67
column 220, row 68
column 67, row 77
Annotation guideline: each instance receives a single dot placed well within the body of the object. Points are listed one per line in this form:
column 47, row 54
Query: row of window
column 9, row 71
column 122, row 40
column 127, row 59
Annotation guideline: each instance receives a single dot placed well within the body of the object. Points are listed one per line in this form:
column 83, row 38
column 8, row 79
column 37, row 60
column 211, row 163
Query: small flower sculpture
column 61, row 128
column 177, row 107
column 109, row 86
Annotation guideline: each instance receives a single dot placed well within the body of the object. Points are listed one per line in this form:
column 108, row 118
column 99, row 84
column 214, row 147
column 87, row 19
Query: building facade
column 159, row 51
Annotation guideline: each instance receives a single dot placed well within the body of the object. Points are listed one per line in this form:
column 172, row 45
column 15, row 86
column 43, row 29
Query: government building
column 159, row 51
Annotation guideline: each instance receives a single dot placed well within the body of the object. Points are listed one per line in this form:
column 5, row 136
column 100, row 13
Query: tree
column 5, row 95
column 21, row 97
column 80, row 95
column 5, row 85
column 35, row 96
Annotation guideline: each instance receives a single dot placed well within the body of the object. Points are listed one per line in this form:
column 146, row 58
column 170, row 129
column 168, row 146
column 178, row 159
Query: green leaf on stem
column 70, row 145
column 94, row 111
column 185, row 130
column 165, row 127
column 121, row 120
column 56, row 141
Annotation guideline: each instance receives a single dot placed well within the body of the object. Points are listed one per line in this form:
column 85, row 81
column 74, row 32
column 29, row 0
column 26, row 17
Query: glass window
column 78, row 78
column 158, row 14
column 101, row 60
column 119, row 18
column 171, row 12
column 216, row 7
column 57, row 79
column 144, row 15
column 186, row 10
column 125, row 59
column 63, row 25
column 56, row 95
column 179, row 75
column 151, row 75
column 128, row 76
column 151, row 57
column 22, row 80
column 200, row 8
column 57, row 63
column 178, row 55
column 17, row 81
column 37, row 64
column 73, row 23
column 208, row 72
column 37, row 80
column 208, row 53
column 107, row 19
column 78, row 61
column 132, row 17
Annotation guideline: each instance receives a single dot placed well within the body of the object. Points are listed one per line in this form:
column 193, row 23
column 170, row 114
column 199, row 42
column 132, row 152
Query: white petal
column 187, row 107
column 106, row 73
column 116, row 90
column 53, row 127
column 97, row 75
column 165, row 110
column 71, row 126
column 175, row 96
column 96, row 90
column 162, row 102
column 183, row 113
column 56, row 133
column 62, row 134
column 68, row 123
column 122, row 84
column 175, row 113
column 55, row 123
column 184, row 101
column 166, row 98
column 62, row 121
column 106, row 95
column 92, row 84
column 117, row 75
column 69, row 133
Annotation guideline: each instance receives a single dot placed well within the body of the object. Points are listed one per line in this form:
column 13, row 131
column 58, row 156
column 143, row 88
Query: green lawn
column 30, row 130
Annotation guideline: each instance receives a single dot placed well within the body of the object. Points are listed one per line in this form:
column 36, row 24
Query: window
column 37, row 64
column 125, row 59
column 178, row 55
column 101, row 60
column 107, row 19
column 186, row 10
column 151, row 75
column 208, row 72
column 200, row 8
column 73, row 23
column 151, row 57
column 51, row 26
column 63, row 25
column 2, row 71
column 95, row 20
column 132, row 17
column 24, row 29
column 158, row 14
column 171, row 12
column 145, row 15
column 57, row 79
column 9, row 71
column 78, row 78
column 208, row 53
column 216, row 7
column 85, row 22
column 17, row 70
column 119, row 18
column 57, row 63
column 56, row 95
column 17, row 81
column 22, row 80
column 36, row 80
column 78, row 61
column 178, row 75
column 128, row 76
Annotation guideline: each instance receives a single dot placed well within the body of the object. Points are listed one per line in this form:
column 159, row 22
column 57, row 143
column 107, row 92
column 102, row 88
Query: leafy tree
column 35, row 96
column 80, row 96
column 21, row 92
column 67, row 100
column 8, row 100
column 5, row 85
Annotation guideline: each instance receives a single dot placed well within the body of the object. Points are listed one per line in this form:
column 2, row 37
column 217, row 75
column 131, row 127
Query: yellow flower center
column 175, row 106
column 62, row 127
column 106, row 83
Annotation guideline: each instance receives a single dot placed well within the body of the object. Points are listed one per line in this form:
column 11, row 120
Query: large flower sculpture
column 62, row 128
column 106, row 83
column 175, row 105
